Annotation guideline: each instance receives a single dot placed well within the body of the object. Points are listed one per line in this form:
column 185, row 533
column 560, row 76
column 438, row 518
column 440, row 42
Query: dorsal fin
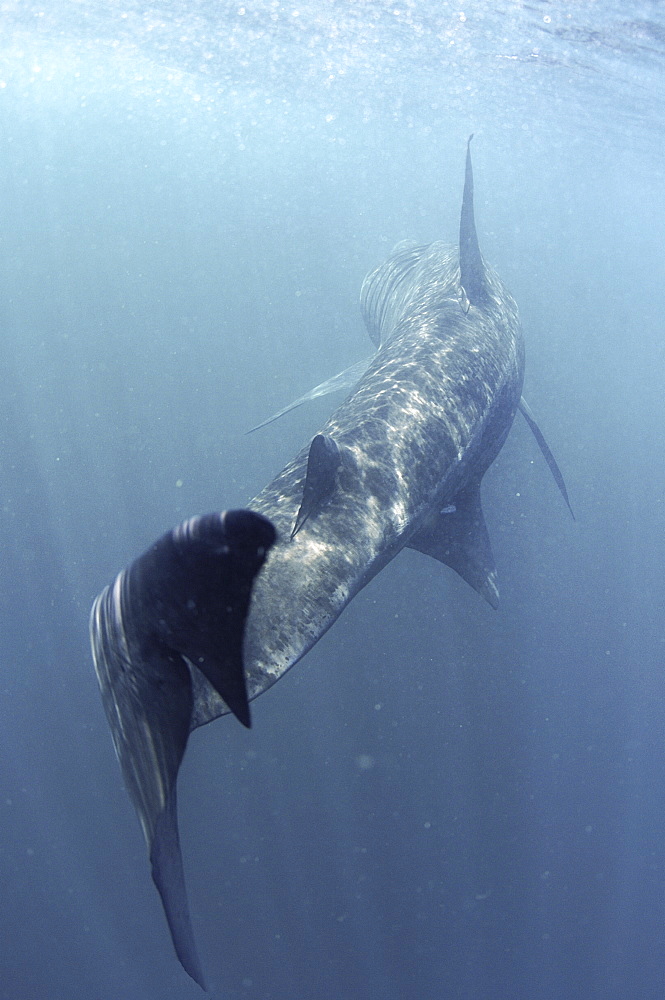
column 472, row 268
column 322, row 465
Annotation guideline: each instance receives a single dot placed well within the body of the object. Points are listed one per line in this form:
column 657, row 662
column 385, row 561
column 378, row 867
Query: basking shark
column 220, row 608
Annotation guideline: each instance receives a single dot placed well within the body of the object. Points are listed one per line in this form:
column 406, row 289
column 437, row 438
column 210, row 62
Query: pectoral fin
column 322, row 465
column 457, row 536
column 344, row 380
column 526, row 412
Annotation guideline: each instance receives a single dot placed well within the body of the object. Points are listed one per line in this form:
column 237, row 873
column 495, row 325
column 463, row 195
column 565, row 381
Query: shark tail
column 178, row 609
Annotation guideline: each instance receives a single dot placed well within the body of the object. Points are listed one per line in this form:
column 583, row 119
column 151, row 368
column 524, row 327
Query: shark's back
column 425, row 421
column 219, row 608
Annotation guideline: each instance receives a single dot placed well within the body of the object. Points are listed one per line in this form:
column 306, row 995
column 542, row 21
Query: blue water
column 440, row 801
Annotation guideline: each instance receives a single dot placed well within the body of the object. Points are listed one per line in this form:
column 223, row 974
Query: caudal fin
column 181, row 606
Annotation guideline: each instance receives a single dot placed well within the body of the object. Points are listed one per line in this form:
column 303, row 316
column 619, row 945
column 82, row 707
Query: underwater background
column 441, row 800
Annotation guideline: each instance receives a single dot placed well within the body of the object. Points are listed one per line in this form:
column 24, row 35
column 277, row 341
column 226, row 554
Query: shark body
column 398, row 464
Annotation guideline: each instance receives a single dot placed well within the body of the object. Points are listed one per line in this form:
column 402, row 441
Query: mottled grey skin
column 398, row 464
column 425, row 422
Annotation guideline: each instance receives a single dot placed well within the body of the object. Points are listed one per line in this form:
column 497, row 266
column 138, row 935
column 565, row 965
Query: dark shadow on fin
column 322, row 465
column 185, row 599
column 457, row 536
column 526, row 412
column 472, row 268
column 202, row 575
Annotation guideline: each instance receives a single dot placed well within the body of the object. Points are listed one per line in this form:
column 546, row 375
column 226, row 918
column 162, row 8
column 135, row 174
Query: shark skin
column 414, row 439
column 219, row 609
column 416, row 436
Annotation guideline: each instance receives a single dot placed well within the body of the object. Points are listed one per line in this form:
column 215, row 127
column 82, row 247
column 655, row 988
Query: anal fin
column 457, row 536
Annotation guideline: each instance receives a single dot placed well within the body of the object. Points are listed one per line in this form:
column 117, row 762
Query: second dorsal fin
column 322, row 465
